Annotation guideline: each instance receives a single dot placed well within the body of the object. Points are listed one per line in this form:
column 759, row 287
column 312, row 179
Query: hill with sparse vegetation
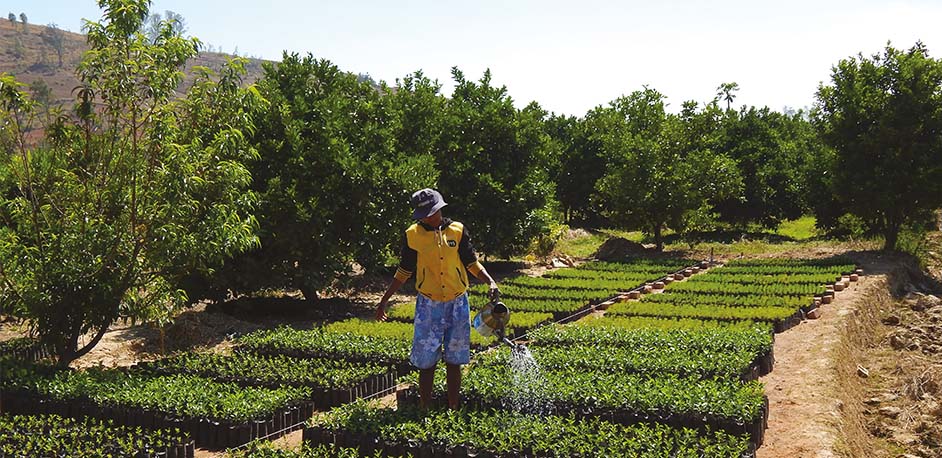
column 31, row 54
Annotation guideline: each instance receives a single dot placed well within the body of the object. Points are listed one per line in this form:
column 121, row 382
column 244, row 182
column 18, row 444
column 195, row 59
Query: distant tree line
column 140, row 200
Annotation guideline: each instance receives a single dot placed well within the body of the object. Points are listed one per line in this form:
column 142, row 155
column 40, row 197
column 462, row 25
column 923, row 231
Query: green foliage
column 766, row 279
column 555, row 305
column 711, row 353
column 747, row 289
column 776, row 155
column 656, row 177
column 725, row 92
column 52, row 435
column 754, row 290
column 835, row 264
column 135, row 190
column 492, row 160
column 247, row 368
column 513, row 292
column 689, row 336
column 798, row 229
column 334, row 187
column 657, row 267
column 266, row 449
column 389, row 330
column 660, row 395
column 508, row 433
column 702, row 311
column 882, row 115
column 544, row 245
column 519, row 319
column 610, row 324
column 181, row 396
column 316, row 343
column 625, row 282
column 579, row 163
column 729, row 300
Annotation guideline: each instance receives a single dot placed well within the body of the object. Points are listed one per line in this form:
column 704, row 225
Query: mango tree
column 103, row 214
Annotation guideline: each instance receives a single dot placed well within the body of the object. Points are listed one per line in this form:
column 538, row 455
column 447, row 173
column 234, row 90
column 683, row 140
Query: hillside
column 25, row 55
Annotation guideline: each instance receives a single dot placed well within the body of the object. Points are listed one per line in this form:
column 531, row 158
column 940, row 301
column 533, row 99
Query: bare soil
column 803, row 389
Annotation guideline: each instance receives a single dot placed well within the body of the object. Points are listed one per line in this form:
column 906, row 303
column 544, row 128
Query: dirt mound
column 617, row 248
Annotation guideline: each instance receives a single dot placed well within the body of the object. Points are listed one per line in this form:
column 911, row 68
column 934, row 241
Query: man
column 439, row 252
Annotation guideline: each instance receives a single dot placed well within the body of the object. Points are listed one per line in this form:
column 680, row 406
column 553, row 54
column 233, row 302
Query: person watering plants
column 439, row 253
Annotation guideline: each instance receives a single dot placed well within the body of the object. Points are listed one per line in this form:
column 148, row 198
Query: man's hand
column 381, row 312
column 493, row 293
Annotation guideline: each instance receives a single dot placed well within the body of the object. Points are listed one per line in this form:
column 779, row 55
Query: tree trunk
column 69, row 351
column 891, row 235
column 658, row 240
column 310, row 294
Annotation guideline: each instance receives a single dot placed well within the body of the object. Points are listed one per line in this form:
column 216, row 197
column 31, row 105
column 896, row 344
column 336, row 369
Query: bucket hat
column 426, row 202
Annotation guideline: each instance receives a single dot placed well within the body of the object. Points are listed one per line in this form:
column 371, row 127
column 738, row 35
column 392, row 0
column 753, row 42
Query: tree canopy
column 882, row 115
column 134, row 191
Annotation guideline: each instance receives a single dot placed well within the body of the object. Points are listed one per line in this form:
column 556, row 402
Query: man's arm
column 408, row 258
column 470, row 261
column 381, row 308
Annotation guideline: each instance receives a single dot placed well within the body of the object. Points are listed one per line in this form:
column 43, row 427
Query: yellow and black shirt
column 440, row 258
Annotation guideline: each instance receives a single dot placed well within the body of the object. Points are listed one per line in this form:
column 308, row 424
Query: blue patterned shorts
column 441, row 328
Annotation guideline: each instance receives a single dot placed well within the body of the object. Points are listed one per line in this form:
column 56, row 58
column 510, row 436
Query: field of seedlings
column 670, row 368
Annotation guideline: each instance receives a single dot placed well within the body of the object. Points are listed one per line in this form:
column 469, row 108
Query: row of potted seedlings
column 54, row 435
column 318, row 343
column 508, row 434
column 332, row 382
column 707, row 350
column 644, row 395
column 215, row 414
column 571, row 292
column 629, row 395
column 265, row 449
column 26, row 348
column 742, row 295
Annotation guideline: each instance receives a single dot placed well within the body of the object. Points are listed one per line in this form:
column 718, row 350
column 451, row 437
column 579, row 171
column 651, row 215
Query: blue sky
column 569, row 55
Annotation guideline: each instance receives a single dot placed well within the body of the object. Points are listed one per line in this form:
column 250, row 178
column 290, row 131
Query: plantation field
column 674, row 373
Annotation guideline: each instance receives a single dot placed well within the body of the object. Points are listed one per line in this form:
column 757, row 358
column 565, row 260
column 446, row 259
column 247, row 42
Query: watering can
column 492, row 321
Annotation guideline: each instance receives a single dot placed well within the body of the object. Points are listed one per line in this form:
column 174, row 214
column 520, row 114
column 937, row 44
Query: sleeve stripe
column 402, row 274
column 475, row 268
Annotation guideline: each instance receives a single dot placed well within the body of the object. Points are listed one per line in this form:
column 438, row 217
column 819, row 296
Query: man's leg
column 454, row 384
column 426, row 381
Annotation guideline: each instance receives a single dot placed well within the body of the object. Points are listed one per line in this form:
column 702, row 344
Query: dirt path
column 805, row 409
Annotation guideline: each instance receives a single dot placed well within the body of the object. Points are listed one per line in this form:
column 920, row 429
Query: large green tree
column 657, row 178
column 334, row 188
column 100, row 219
column 493, row 161
column 578, row 164
column 882, row 115
column 773, row 152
